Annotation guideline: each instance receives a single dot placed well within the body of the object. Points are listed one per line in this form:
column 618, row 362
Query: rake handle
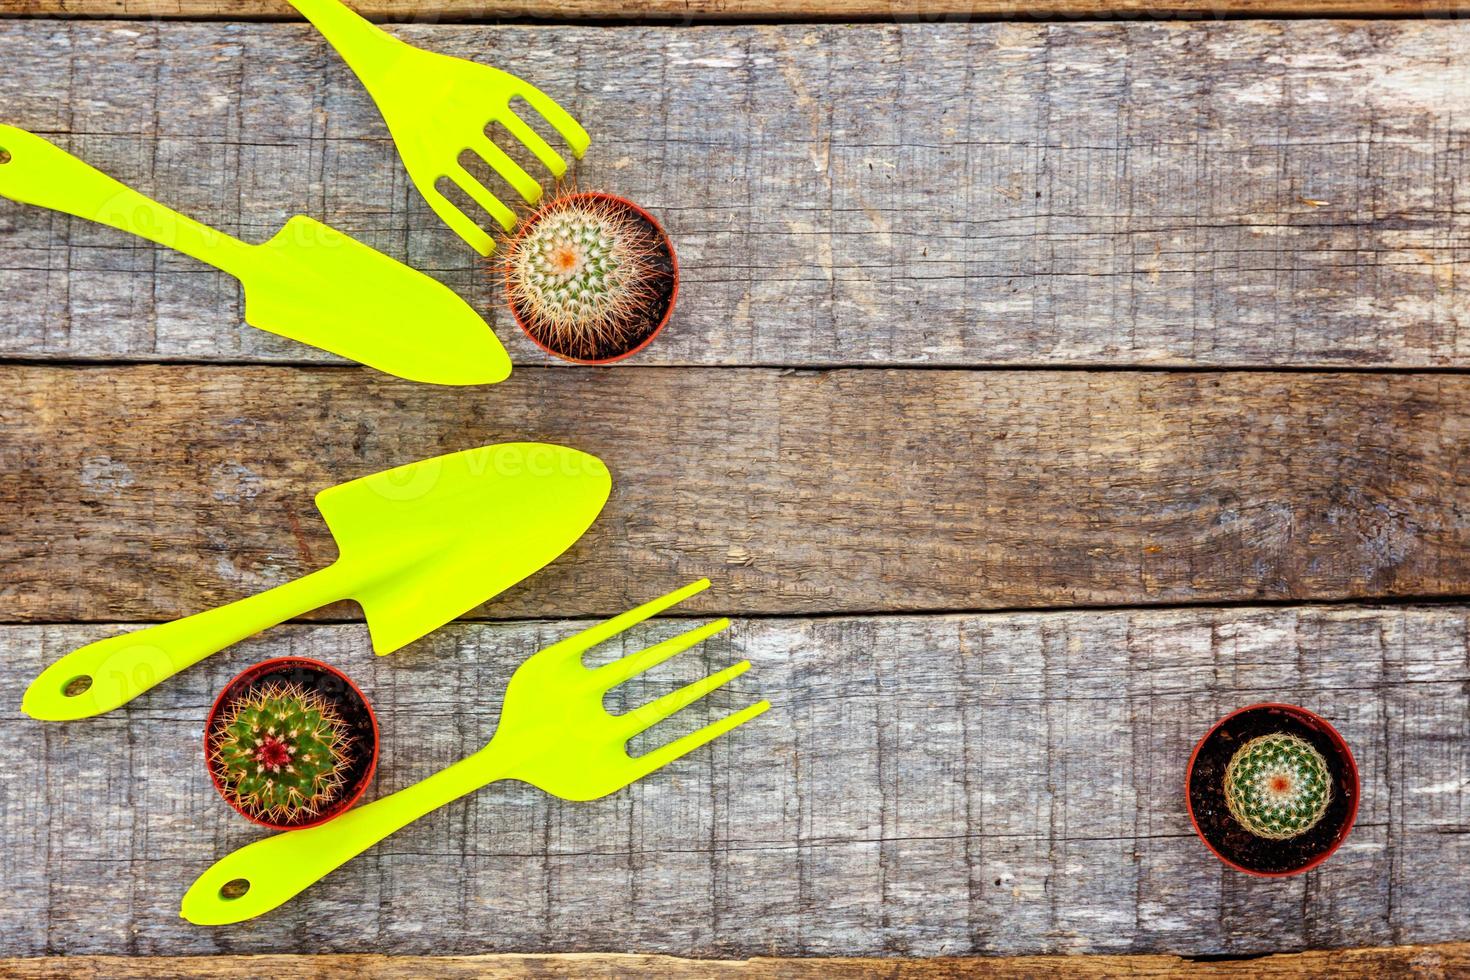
column 39, row 172
column 276, row 869
column 368, row 49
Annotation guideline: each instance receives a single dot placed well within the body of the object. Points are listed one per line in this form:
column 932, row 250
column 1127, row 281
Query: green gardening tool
column 438, row 108
column 553, row 733
column 309, row 283
column 419, row 545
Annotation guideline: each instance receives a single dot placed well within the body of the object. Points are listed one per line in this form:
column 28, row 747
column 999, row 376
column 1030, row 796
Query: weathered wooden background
column 923, row 786
column 1223, row 195
column 1196, row 294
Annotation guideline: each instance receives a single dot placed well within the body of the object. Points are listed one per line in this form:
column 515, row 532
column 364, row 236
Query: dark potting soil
column 657, row 308
column 1226, row 835
column 352, row 709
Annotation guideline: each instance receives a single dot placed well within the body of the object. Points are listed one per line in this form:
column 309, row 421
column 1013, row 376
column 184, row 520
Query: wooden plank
column 702, row 11
column 1243, row 193
column 938, row 785
column 147, row 492
column 1439, row 962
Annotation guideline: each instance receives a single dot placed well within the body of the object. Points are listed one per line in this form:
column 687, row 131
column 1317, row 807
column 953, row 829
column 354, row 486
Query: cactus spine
column 280, row 753
column 584, row 276
column 1277, row 786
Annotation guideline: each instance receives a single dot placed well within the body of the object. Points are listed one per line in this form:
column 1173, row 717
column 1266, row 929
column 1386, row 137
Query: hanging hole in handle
column 77, row 685
column 233, row 889
column 4, row 156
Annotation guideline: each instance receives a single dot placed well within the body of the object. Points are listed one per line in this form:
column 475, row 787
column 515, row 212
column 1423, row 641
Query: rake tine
column 658, row 758
column 513, row 173
column 518, row 127
column 641, row 719
column 558, row 118
column 458, row 221
column 606, row 630
column 634, row 664
column 481, row 196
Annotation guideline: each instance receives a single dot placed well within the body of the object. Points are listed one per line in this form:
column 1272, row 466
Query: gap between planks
column 336, row 618
column 1437, row 962
column 684, row 12
column 80, row 364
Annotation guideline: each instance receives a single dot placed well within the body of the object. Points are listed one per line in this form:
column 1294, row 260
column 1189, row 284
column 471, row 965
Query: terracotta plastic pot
column 1227, row 839
column 351, row 705
column 668, row 296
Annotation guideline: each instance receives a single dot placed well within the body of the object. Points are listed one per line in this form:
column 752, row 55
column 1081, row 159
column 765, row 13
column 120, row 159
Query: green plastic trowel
column 310, row 282
column 419, row 545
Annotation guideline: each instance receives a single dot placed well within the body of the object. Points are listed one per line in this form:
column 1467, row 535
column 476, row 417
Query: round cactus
column 279, row 752
column 588, row 276
column 1277, row 786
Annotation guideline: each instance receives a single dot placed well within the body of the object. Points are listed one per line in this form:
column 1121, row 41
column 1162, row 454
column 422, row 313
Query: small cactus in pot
column 280, row 753
column 591, row 277
column 291, row 743
column 1272, row 789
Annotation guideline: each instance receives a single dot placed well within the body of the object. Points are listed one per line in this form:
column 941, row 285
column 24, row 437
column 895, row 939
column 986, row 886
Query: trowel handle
column 109, row 673
column 35, row 171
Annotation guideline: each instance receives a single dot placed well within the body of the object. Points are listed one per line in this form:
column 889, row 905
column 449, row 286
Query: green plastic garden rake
column 437, row 106
column 554, row 734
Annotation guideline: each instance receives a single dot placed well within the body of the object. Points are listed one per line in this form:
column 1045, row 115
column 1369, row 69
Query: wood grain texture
column 147, row 492
column 1245, row 193
column 938, row 785
column 702, row 11
column 1444, row 961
